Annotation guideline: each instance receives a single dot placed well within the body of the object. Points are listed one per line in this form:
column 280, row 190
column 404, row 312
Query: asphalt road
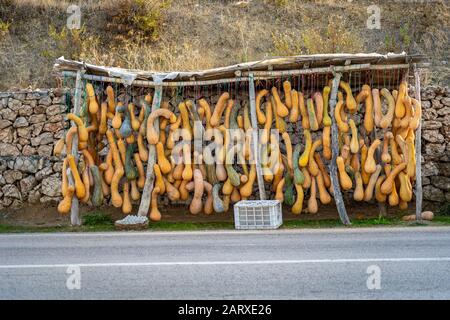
column 403, row 263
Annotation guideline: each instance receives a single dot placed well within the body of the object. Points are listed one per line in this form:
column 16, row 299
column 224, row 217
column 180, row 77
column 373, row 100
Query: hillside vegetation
column 199, row 34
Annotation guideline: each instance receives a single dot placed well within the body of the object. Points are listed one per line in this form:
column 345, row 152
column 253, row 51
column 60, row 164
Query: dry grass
column 198, row 34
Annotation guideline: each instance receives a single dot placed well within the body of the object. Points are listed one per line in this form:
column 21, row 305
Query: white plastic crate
column 258, row 214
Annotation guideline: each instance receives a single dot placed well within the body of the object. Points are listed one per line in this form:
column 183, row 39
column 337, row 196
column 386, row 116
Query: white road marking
column 212, row 263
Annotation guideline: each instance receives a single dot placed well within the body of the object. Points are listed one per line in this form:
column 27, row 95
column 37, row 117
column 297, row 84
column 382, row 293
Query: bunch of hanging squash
column 388, row 175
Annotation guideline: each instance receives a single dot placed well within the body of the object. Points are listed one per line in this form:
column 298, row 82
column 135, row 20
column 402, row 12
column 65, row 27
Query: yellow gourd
column 196, row 203
column 126, row 205
column 298, row 205
column 143, row 151
column 164, row 164
column 110, row 99
column 83, row 134
column 386, row 120
column 346, row 182
column 218, row 110
column 152, row 133
column 205, row 105
column 134, row 191
column 313, row 123
column 66, row 203
column 279, row 191
column 326, row 96
column 109, row 171
column 303, row 112
column 400, row 109
column 389, row 183
column 405, row 191
column 116, row 198
column 293, row 116
column 86, row 183
column 358, row 194
column 288, row 144
column 411, row 163
column 396, row 157
column 92, row 101
column 287, row 94
column 313, row 168
column 354, row 143
column 342, row 125
column 117, row 120
column 385, row 155
column 184, row 193
column 407, row 102
column 318, row 100
column 246, row 189
column 307, row 178
column 323, row 170
column 135, row 124
column 312, row 201
column 326, row 142
column 370, row 164
column 80, row 190
column 227, row 188
column 280, row 125
column 58, row 148
column 368, row 115
column 324, row 196
column 64, row 179
column 368, row 193
column 378, row 114
column 259, row 114
column 159, row 181
column 208, row 207
column 155, row 215
column 393, row 197
column 282, row 110
column 304, row 158
column 350, row 101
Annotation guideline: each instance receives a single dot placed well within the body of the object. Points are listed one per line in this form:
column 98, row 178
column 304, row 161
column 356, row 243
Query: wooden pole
column 75, row 208
column 418, row 150
column 340, row 205
column 150, row 175
column 255, row 138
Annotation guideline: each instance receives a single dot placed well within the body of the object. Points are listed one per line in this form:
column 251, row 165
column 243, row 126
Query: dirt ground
column 47, row 216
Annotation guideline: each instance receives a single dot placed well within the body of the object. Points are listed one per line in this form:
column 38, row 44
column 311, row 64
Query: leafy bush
column 4, row 28
column 97, row 218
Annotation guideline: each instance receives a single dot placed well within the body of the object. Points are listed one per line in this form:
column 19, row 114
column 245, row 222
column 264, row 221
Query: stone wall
column 32, row 121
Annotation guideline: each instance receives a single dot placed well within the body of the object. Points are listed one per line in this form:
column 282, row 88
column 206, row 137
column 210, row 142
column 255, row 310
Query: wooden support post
column 255, row 138
column 150, row 175
column 418, row 150
column 335, row 148
column 75, row 219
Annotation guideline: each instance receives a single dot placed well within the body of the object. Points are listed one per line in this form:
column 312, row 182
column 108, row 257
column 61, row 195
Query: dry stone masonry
column 32, row 121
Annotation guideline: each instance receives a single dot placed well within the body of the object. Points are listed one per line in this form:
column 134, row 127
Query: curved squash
column 378, row 114
column 92, row 101
column 126, row 205
column 304, row 158
column 407, row 102
column 280, row 125
column 346, row 182
column 298, row 205
column 350, row 101
column 80, row 190
column 66, row 203
column 393, row 197
column 326, row 96
column 83, row 134
column 159, row 180
column 246, row 189
column 386, row 120
column 323, row 170
column 313, row 168
column 288, row 144
column 259, row 114
column 298, row 175
column 342, row 125
column 164, row 164
column 324, row 196
column 97, row 193
column 287, row 94
column 152, row 133
column 218, row 204
column 368, row 115
column 289, row 196
column 279, row 195
column 85, row 178
column 354, row 143
column 155, row 215
column 303, row 112
column 411, row 163
column 400, row 109
column 282, row 110
column 368, row 193
column 405, row 191
column 370, row 164
column 268, row 124
column 205, row 105
column 358, row 193
column 326, row 142
column 318, row 100
column 389, row 183
column 385, row 156
column 196, row 203
column 208, row 207
column 307, row 178
column 110, row 99
column 313, row 123
column 293, row 116
column 142, row 149
column 312, row 201
column 396, row 157
column 218, row 110
column 116, row 198
column 64, row 178
column 135, row 124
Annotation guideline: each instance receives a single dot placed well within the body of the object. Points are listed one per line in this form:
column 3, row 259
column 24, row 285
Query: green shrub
column 4, row 28
column 97, row 218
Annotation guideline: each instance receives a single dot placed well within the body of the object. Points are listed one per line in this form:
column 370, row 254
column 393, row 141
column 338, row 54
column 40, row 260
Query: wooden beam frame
column 418, row 147
column 255, row 138
column 337, row 194
column 75, row 219
column 150, row 175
